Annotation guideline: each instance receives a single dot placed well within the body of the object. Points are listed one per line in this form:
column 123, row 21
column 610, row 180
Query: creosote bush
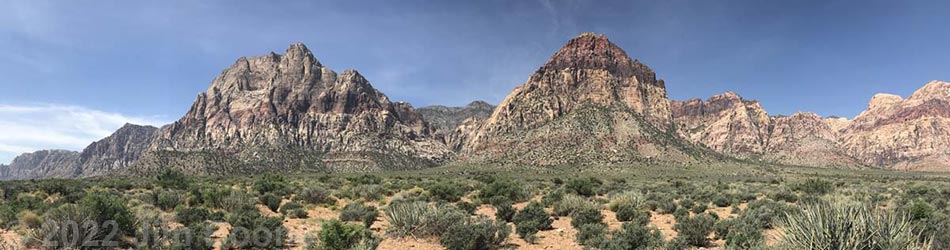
column 359, row 212
column 478, row 233
column 530, row 220
column 695, row 229
column 336, row 235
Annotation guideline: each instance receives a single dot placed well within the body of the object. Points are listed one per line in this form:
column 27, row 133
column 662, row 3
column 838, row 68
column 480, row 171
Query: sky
column 71, row 72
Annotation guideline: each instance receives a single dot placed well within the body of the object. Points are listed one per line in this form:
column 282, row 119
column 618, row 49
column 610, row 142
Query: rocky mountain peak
column 933, row 90
column 882, row 100
column 594, row 51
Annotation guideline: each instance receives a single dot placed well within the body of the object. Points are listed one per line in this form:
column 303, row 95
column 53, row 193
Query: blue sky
column 69, row 66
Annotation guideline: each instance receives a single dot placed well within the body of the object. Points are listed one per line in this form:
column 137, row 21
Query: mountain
column 457, row 124
column 288, row 111
column 42, row 164
column 589, row 104
column 117, row 151
column 906, row 134
column 741, row 128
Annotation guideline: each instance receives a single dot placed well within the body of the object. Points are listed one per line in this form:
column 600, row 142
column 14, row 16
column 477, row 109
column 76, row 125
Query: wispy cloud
column 26, row 128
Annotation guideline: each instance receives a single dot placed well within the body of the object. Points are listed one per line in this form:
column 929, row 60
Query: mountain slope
column 589, row 104
column 290, row 112
column 457, row 124
column 907, row 134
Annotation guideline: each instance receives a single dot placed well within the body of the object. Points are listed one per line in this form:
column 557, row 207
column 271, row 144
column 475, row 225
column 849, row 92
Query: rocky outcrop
column 589, row 104
column 289, row 111
column 907, row 134
column 741, row 128
column 457, row 124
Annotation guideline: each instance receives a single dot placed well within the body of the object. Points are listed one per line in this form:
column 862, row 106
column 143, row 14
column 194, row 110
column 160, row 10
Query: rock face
column 741, row 128
column 289, row 111
column 117, row 151
column 457, row 124
column 589, row 104
column 42, row 164
column 908, row 134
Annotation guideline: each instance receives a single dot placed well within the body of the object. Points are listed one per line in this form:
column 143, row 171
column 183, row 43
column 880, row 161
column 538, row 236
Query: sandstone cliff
column 457, row 124
column 290, row 112
column 908, row 134
column 589, row 104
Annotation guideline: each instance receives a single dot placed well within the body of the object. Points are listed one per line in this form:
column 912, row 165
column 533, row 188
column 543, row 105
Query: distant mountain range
column 590, row 104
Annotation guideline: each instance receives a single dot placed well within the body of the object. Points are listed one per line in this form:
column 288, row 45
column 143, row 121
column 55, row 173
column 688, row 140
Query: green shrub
column 722, row 201
column 825, row 225
column 29, row 220
column 194, row 237
column 504, row 187
column 765, row 212
column 504, row 211
column 552, row 197
column 336, row 235
column 687, row 203
column 446, row 191
column 591, row 235
column 584, row 186
column 170, row 178
column 189, row 215
column 633, row 215
column 695, row 229
column 272, row 201
column 629, row 199
column 359, row 212
column 418, row 218
column 531, row 220
column 569, row 204
column 587, row 215
column 368, row 192
column 270, row 183
column 250, row 229
column 108, row 207
column 315, row 195
column 920, row 210
column 293, row 210
column 168, row 199
column 815, row 187
column 237, row 200
column 58, row 228
column 634, row 236
column 475, row 234
column 743, row 235
column 468, row 207
column 699, row 208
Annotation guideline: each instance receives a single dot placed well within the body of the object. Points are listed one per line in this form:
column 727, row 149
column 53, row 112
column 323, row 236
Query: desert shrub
column 626, row 199
column 190, row 215
column 475, row 234
column 270, row 183
column 368, row 192
column 825, row 225
column 584, row 186
column 29, row 220
column 634, row 236
column 359, row 212
column 680, row 212
column 815, row 187
column 336, row 235
column 168, row 199
column 250, row 229
column 212, row 197
column 8, row 214
column 503, row 187
column 587, row 215
column 272, row 201
column 170, row 178
column 446, row 191
column 152, row 231
column 293, row 210
column 591, row 235
column 552, row 197
column 67, row 227
column 677, row 244
column 722, row 201
column 920, row 210
column 633, row 215
column 699, row 208
column 366, row 179
column 237, row 200
column 468, row 207
column 504, row 211
column 569, row 204
column 109, row 207
column 764, row 213
column 315, row 195
column 196, row 236
column 743, row 235
column 531, row 220
column 418, row 218
column 695, row 229
column 664, row 205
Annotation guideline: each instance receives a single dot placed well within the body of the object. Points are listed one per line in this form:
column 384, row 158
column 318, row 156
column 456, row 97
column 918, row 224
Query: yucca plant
column 824, row 225
column 408, row 218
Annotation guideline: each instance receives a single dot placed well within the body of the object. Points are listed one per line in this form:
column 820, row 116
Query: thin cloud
column 26, row 128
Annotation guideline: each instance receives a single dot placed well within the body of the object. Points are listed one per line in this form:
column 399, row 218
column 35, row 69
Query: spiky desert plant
column 824, row 225
column 408, row 218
